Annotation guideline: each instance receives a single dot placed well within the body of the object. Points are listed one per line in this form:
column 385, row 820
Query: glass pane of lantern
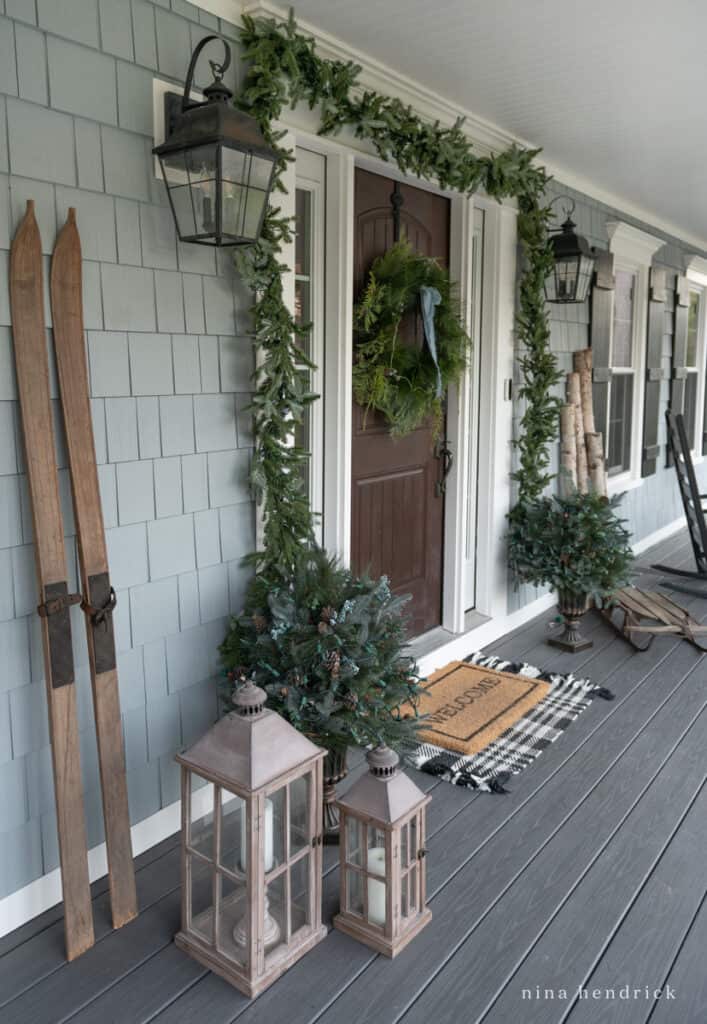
column 274, row 925
column 260, row 171
column 413, row 840
column 299, row 814
column 275, row 829
column 299, row 894
column 404, row 896
column 201, row 824
column 376, row 900
column 242, row 210
column 202, row 899
column 233, row 854
column 233, row 165
column 354, row 892
column 403, row 846
column 234, row 921
column 586, row 269
column 201, row 163
column 375, row 863
column 354, row 841
column 183, row 210
column 412, row 889
column 203, row 197
column 566, row 279
column 174, row 169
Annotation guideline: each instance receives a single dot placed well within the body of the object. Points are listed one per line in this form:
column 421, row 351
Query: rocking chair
column 692, row 502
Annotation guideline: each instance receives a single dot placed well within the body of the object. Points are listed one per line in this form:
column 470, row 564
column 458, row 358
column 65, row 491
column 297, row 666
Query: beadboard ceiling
column 613, row 90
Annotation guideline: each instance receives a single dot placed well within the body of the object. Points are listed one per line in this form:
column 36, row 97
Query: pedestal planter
column 571, row 607
column 335, row 770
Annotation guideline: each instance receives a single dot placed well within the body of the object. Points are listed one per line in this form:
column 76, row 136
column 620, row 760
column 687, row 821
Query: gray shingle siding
column 170, row 362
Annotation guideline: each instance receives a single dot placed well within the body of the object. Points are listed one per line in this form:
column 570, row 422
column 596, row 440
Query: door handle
column 445, row 455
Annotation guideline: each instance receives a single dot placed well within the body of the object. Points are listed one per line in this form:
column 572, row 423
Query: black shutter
column 600, row 338
column 654, row 371
column 679, row 358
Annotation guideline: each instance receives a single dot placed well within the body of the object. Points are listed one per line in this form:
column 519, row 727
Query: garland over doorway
column 283, row 70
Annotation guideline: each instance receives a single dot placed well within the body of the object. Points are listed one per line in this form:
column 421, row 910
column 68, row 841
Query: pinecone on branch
column 332, row 662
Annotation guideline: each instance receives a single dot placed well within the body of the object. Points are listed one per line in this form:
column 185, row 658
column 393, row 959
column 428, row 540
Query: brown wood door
column 397, row 518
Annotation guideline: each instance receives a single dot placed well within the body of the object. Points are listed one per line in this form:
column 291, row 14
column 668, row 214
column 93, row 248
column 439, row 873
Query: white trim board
column 485, row 135
column 45, row 892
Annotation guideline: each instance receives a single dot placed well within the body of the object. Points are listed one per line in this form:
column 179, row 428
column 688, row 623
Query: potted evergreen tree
column 329, row 650
column 578, row 546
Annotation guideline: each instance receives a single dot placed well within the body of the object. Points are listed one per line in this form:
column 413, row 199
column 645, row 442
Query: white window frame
column 696, row 274
column 633, row 251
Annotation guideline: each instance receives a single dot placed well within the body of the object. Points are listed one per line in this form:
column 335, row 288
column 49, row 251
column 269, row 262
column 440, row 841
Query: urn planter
column 571, row 607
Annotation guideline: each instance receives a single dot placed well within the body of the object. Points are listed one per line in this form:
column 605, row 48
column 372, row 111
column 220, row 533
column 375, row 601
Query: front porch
column 589, row 874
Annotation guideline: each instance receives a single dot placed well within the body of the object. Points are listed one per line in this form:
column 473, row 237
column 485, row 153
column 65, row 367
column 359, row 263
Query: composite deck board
column 531, row 861
column 579, row 803
column 630, row 820
column 649, row 936
column 688, row 977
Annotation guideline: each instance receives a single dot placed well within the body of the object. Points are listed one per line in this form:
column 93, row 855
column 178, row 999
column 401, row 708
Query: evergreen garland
column 283, row 70
column 401, row 381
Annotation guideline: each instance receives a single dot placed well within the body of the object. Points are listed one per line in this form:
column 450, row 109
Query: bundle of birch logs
column 581, row 447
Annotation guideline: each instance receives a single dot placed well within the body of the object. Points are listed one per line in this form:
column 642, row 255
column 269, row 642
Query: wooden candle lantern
column 251, row 845
column 382, row 850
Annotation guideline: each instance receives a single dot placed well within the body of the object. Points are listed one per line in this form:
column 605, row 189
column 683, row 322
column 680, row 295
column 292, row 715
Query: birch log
column 582, row 362
column 574, row 397
column 568, row 451
column 595, row 461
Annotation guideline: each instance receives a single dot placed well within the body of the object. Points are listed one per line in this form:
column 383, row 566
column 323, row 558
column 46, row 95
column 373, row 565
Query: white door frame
column 496, row 369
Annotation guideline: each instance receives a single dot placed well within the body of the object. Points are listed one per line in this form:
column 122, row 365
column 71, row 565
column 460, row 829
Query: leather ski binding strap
column 98, row 605
column 99, row 616
column 54, row 605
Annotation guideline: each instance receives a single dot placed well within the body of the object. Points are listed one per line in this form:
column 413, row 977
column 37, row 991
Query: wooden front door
column 397, row 523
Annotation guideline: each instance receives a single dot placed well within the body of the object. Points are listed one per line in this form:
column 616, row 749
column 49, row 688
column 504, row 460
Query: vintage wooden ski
column 30, row 339
column 99, row 596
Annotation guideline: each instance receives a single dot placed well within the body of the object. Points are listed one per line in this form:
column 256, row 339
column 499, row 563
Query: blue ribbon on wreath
column 430, row 298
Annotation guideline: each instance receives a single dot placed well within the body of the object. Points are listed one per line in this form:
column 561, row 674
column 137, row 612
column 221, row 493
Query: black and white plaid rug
column 519, row 745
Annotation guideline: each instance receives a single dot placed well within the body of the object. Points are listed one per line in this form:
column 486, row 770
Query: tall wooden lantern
column 382, row 854
column 251, row 845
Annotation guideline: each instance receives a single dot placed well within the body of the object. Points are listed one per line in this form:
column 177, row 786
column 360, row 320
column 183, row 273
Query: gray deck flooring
column 590, row 874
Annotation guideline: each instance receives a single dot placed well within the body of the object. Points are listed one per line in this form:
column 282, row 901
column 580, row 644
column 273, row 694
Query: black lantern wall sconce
column 217, row 167
column 571, row 276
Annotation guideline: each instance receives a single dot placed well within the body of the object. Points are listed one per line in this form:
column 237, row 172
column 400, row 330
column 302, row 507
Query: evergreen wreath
column 283, row 69
column 402, row 381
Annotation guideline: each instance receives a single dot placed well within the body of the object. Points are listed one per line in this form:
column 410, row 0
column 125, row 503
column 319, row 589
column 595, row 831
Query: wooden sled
column 648, row 614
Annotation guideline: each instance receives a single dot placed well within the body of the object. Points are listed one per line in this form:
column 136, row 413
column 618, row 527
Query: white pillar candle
column 376, row 890
column 269, row 850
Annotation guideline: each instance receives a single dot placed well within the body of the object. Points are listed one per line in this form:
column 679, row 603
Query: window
column 694, row 364
column 633, row 252
column 309, row 311
column 621, row 388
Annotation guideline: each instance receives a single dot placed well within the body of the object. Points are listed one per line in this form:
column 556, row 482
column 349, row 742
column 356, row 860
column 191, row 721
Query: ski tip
column 71, row 219
column 30, row 206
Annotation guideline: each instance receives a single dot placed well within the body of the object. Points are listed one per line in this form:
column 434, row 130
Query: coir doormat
column 467, row 706
column 518, row 744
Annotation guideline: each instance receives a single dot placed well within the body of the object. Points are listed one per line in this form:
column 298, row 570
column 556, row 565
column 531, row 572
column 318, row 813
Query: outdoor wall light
column 571, row 276
column 217, row 167
column 251, row 845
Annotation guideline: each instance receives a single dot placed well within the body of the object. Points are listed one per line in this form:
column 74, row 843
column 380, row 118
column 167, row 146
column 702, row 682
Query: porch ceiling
column 613, row 92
